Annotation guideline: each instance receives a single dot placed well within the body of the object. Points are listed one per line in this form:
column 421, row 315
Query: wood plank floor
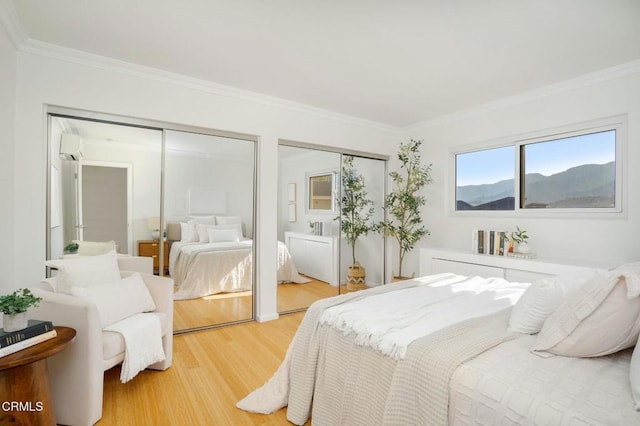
column 229, row 307
column 211, row 371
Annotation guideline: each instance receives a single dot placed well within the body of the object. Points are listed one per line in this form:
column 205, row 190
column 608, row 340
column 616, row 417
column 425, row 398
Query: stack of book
column 490, row 242
column 36, row 332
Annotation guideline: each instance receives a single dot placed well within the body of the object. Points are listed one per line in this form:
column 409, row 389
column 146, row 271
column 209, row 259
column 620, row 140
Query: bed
column 451, row 349
column 219, row 265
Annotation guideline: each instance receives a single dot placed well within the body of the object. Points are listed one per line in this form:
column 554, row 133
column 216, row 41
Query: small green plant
column 18, row 301
column 519, row 236
column 71, row 248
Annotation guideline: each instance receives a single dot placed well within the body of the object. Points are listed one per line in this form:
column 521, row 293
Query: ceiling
column 395, row 63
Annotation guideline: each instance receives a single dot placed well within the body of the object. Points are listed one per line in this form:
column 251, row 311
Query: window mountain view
column 585, row 186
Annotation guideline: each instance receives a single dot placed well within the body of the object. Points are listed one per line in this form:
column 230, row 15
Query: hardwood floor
column 301, row 296
column 211, row 371
column 229, row 307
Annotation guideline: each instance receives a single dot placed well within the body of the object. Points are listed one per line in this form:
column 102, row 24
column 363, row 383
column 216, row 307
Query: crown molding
column 586, row 80
column 11, row 23
column 60, row 53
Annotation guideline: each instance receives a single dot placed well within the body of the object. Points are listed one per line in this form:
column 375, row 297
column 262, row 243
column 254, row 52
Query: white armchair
column 77, row 373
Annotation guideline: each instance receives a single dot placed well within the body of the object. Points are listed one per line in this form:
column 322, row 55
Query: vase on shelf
column 523, row 247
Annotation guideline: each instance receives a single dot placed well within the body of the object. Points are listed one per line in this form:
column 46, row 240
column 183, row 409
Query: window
column 321, row 192
column 571, row 170
column 485, row 179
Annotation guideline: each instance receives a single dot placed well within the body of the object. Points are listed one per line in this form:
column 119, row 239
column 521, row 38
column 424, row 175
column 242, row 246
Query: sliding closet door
column 308, row 224
column 209, row 192
column 104, row 183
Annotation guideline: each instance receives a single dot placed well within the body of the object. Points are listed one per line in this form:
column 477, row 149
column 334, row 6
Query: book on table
column 34, row 328
column 24, row 344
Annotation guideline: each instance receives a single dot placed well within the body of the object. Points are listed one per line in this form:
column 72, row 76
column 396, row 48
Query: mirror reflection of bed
column 171, row 173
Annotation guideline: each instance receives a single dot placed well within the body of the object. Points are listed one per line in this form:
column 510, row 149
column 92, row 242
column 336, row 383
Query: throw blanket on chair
column 142, row 336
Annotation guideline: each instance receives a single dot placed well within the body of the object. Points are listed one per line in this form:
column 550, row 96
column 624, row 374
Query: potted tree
column 403, row 203
column 356, row 212
column 14, row 307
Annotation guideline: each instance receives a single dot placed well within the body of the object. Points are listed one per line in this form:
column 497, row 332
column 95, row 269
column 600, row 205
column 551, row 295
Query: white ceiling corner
column 392, row 65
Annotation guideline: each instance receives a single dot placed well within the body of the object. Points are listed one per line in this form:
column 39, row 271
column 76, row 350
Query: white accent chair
column 77, row 373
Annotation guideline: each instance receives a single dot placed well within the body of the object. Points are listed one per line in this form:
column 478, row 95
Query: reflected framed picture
column 292, row 192
column 292, row 213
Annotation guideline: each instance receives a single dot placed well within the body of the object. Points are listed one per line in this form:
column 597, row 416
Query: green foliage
column 403, row 203
column 519, row 236
column 18, row 301
column 71, row 248
column 356, row 209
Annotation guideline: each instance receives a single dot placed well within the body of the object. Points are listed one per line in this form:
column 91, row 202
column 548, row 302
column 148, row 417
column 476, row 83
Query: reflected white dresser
column 315, row 256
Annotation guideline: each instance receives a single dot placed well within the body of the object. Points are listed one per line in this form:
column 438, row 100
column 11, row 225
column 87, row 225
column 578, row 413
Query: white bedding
column 510, row 385
column 201, row 269
column 341, row 381
column 404, row 316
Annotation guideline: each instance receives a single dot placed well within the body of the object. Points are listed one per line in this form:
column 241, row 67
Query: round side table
column 25, row 396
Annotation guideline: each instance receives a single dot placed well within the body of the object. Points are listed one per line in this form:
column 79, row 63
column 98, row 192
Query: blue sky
column 493, row 165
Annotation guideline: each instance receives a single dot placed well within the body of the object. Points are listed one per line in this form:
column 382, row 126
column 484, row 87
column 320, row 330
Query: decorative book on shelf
column 34, row 328
column 24, row 344
column 495, row 243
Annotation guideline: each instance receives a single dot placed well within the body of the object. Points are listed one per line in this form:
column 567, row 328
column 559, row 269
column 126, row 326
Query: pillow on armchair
column 83, row 271
column 93, row 248
column 119, row 299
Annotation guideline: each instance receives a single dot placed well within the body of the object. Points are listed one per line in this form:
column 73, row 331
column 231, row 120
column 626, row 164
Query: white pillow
column 223, row 235
column 188, row 232
column 631, row 271
column 207, row 220
column 93, row 248
column 542, row 298
column 599, row 320
column 535, row 305
column 119, row 299
column 634, row 376
column 231, row 220
column 228, row 220
column 85, row 271
column 203, row 232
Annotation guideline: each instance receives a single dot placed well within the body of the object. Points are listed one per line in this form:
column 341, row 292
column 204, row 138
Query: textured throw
column 304, row 347
column 352, row 384
column 142, row 336
column 419, row 392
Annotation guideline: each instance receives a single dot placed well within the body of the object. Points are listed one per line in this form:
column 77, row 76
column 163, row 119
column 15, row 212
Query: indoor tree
column 403, row 203
column 356, row 209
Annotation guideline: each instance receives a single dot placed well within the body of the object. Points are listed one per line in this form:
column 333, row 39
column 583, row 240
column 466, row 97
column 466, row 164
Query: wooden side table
column 151, row 248
column 24, row 382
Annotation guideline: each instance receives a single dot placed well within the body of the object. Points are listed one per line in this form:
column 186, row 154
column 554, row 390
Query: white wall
column 7, row 162
column 294, row 169
column 54, row 79
column 607, row 239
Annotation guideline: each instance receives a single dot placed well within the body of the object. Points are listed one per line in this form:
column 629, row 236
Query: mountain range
column 589, row 185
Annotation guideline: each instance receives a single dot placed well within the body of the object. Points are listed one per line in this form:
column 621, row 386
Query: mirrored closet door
column 173, row 193
column 314, row 227
column 209, row 210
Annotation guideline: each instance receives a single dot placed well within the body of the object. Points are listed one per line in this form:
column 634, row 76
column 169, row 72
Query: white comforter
column 404, row 316
column 201, row 269
column 344, row 382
